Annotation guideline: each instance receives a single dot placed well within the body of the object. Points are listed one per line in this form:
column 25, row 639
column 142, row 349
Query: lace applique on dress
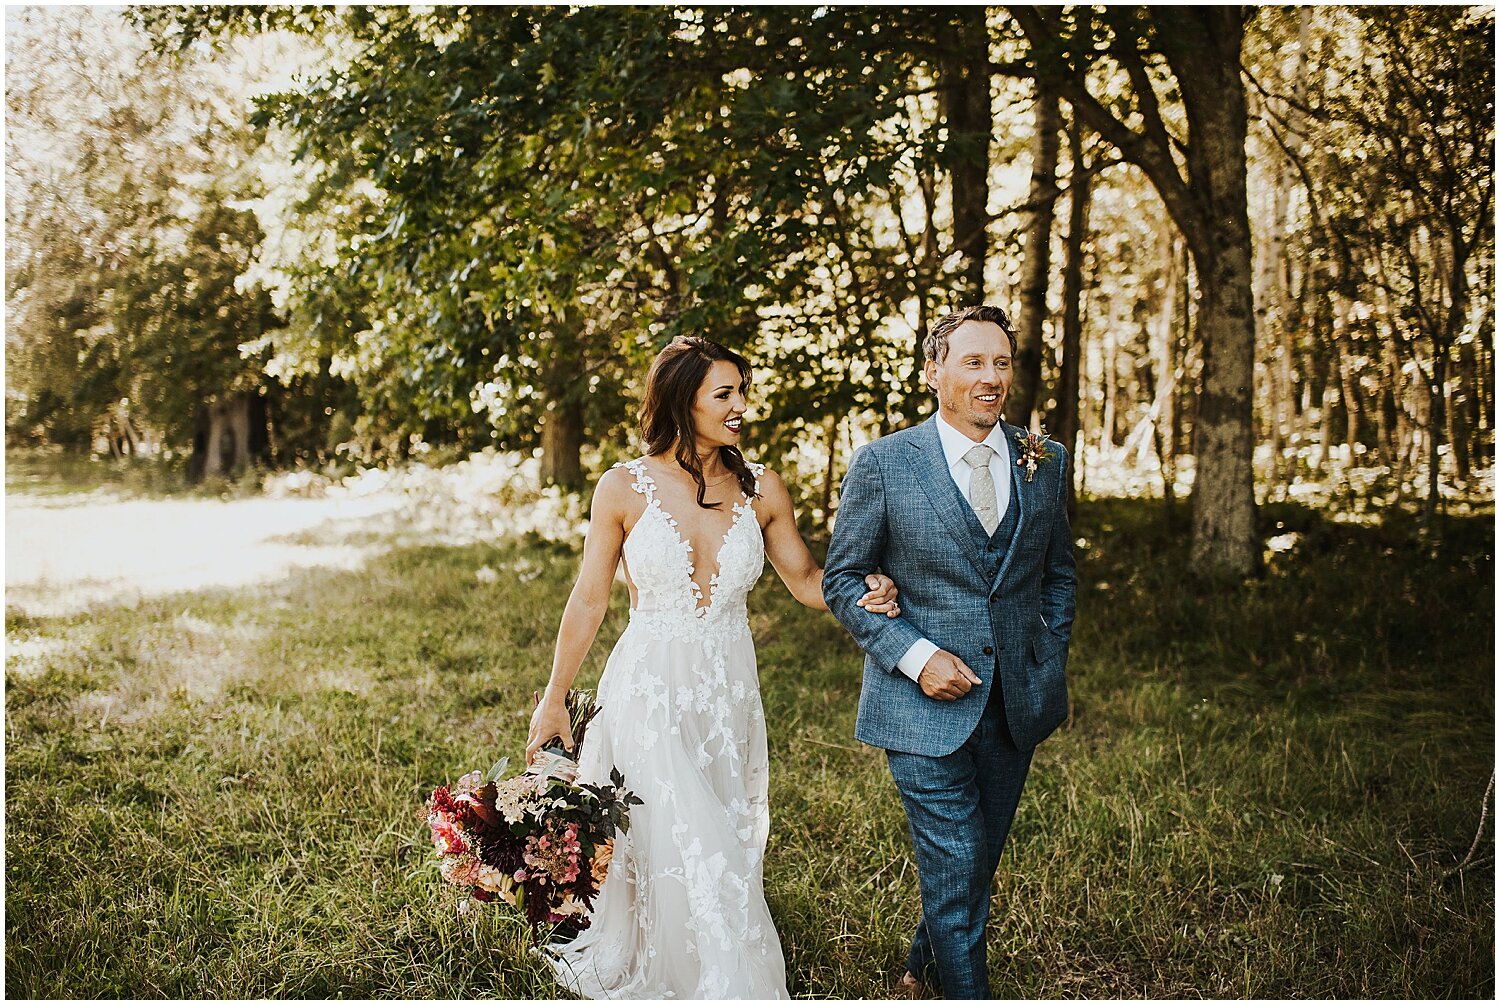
column 683, row 913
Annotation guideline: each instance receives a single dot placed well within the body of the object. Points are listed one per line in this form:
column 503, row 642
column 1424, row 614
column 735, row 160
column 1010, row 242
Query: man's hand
column 945, row 677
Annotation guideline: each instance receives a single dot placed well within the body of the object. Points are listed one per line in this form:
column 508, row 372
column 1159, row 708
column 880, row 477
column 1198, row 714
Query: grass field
column 1263, row 791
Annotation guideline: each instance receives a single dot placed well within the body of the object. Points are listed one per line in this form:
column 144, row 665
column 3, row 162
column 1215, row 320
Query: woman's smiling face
column 719, row 406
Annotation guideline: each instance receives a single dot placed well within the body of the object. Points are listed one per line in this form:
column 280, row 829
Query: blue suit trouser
column 959, row 809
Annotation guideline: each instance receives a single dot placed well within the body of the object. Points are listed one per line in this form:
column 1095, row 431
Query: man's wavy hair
column 935, row 345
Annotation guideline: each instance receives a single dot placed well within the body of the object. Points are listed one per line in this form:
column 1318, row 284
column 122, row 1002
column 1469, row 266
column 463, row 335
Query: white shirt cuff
column 916, row 658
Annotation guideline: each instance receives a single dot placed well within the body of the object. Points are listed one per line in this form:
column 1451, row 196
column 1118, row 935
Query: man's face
column 972, row 382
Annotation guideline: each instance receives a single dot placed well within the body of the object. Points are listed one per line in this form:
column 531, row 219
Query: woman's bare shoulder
column 771, row 484
column 615, row 491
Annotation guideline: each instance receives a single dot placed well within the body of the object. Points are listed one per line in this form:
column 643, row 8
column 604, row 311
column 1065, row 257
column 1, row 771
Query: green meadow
column 1264, row 791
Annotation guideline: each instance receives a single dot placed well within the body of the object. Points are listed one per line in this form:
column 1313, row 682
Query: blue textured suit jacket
column 899, row 512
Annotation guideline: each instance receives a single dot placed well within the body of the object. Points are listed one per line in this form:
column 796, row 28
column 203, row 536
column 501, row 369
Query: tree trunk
column 1164, row 363
column 1483, row 346
column 921, row 254
column 1202, row 46
column 1185, row 348
column 228, row 435
column 259, row 444
column 1108, row 433
column 1402, row 426
column 1270, row 313
column 239, row 426
column 1348, row 379
column 1272, row 294
column 214, row 462
column 1065, row 420
column 1385, row 418
column 1349, row 395
column 927, row 187
column 197, row 460
column 1346, row 393
column 562, row 443
column 1224, row 537
column 1024, row 396
column 1435, row 423
column 1462, row 413
column 964, row 70
column 1224, row 492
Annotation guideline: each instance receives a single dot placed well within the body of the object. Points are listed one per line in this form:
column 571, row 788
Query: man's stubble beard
column 984, row 420
column 979, row 419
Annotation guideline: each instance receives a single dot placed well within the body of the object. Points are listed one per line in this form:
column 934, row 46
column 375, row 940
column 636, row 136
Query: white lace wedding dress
column 682, row 913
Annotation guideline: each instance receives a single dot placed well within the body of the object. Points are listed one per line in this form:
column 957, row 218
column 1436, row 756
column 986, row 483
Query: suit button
column 989, row 651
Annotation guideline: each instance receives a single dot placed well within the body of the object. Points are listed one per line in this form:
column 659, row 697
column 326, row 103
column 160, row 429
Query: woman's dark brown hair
column 667, row 413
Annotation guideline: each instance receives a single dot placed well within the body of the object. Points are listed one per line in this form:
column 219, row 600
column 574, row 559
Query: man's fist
column 945, row 677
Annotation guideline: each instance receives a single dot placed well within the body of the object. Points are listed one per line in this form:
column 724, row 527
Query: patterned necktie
column 982, row 487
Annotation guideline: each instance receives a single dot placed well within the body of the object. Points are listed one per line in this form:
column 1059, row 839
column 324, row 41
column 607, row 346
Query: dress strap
column 643, row 483
column 757, row 470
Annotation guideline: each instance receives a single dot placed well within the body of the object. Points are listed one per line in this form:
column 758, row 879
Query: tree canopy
column 476, row 225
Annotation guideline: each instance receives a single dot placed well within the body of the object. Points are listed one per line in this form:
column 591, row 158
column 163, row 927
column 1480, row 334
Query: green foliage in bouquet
column 541, row 841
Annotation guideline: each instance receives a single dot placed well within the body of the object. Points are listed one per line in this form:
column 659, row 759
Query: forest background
column 1250, row 252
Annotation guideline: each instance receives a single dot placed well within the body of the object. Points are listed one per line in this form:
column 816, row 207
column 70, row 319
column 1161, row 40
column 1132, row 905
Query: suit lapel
column 937, row 484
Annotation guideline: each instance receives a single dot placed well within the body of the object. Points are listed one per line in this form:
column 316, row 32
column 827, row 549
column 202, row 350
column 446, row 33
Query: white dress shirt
column 955, row 445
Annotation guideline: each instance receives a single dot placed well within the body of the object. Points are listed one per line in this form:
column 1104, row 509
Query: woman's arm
column 586, row 607
column 794, row 563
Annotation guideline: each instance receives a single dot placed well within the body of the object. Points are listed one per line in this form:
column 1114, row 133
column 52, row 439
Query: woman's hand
column 882, row 596
column 550, row 719
column 795, row 564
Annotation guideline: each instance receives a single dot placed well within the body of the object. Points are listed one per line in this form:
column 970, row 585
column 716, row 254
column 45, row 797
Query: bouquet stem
column 581, row 708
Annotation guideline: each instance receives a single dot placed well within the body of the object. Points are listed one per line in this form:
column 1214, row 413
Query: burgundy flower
column 542, row 837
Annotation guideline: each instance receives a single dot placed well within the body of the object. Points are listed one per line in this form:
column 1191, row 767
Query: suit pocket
column 1047, row 682
column 1046, row 644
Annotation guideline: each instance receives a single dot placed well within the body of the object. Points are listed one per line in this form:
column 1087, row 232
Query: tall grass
column 1262, row 792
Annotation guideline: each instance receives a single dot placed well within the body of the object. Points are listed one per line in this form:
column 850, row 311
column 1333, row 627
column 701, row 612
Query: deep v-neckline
column 738, row 510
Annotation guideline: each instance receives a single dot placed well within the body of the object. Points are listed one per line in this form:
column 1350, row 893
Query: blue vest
column 992, row 546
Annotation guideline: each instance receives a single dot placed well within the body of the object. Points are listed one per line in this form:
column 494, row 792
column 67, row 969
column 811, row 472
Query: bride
column 682, row 913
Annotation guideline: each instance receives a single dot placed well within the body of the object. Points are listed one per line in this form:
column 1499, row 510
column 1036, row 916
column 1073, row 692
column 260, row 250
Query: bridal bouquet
column 541, row 841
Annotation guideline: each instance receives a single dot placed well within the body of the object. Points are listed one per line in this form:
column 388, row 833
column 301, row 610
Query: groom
column 968, row 515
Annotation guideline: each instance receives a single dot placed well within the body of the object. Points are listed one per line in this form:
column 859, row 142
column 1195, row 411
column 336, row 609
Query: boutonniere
column 1033, row 451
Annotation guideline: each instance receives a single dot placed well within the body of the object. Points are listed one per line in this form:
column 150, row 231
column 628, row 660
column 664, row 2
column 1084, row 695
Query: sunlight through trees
column 1251, row 251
